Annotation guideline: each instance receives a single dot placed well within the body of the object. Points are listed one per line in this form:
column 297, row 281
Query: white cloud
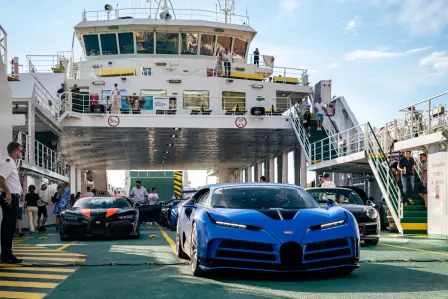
column 334, row 65
column 437, row 60
column 353, row 25
column 377, row 54
column 289, row 5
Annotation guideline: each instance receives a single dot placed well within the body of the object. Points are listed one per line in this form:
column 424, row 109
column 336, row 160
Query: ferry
column 168, row 90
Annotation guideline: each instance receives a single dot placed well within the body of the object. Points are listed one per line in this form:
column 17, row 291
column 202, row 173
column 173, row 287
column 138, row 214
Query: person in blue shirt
column 62, row 204
column 406, row 167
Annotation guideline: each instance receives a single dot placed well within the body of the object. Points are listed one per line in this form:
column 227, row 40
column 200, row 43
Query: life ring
column 272, row 60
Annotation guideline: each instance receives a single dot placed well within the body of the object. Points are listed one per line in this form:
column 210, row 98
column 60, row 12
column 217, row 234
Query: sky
column 381, row 55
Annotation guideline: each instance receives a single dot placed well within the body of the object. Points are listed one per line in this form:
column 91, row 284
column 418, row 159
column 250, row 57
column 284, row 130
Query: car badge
column 288, row 232
column 98, row 222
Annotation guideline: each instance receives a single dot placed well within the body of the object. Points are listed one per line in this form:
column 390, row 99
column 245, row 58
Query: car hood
column 296, row 220
column 97, row 213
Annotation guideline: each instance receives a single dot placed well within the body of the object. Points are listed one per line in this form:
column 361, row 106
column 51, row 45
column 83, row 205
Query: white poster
column 437, row 195
column 161, row 103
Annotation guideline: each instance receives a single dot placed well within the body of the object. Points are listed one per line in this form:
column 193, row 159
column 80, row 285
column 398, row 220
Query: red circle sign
column 113, row 121
column 437, row 192
column 240, row 122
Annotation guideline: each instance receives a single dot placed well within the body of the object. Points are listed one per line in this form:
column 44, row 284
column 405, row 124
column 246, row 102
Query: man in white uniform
column 11, row 190
column 116, row 99
column 139, row 194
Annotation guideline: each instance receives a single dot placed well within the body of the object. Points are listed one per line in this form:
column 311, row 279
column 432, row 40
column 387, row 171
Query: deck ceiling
column 145, row 148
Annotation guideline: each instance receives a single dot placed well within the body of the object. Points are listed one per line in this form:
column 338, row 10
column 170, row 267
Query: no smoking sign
column 113, row 121
column 240, row 122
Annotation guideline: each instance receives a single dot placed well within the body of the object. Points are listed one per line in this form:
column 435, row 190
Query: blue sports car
column 265, row 227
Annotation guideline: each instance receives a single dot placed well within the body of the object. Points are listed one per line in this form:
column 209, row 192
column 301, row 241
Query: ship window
column 194, row 99
column 109, row 44
column 167, row 43
column 190, row 43
column 126, row 41
column 145, row 42
column 153, row 92
column 224, row 42
column 92, row 44
column 232, row 100
column 207, row 44
column 239, row 48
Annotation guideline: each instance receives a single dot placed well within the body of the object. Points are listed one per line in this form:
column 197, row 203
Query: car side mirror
column 370, row 203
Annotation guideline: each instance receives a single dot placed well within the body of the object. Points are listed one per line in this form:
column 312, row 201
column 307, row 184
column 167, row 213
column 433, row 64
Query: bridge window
column 208, row 44
column 239, row 48
column 224, row 42
column 190, row 43
column 126, row 41
column 167, row 43
column 109, row 44
column 145, row 42
column 92, row 44
column 195, row 99
column 233, row 101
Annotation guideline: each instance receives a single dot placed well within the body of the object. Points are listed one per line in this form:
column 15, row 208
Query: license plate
column 98, row 222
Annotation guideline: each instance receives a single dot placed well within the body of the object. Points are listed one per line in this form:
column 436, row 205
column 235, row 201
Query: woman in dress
column 62, row 204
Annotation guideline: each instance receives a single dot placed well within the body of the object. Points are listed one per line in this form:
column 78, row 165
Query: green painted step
column 415, row 232
column 414, row 208
column 414, row 219
column 418, row 202
column 415, row 213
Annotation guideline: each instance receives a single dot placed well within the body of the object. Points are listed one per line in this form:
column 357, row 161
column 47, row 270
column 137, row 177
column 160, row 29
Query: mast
column 226, row 9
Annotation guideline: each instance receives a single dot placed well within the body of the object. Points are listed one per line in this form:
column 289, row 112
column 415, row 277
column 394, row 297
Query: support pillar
column 6, row 116
column 100, row 181
column 300, row 178
column 223, row 176
column 72, row 179
column 241, row 176
column 78, row 181
column 260, row 170
column 250, row 178
column 284, row 168
column 271, row 172
column 31, row 142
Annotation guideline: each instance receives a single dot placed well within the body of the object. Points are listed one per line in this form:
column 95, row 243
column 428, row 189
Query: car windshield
column 262, row 197
column 102, row 203
column 187, row 194
column 340, row 196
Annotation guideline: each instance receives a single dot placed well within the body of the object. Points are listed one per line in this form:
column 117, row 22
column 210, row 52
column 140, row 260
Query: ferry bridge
column 178, row 109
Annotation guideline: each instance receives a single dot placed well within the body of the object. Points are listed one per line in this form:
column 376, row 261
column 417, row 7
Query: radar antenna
column 165, row 13
column 228, row 9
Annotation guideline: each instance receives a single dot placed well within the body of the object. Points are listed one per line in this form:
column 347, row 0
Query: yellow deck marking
column 39, row 269
column 36, row 250
column 66, row 245
column 32, row 275
column 57, row 259
column 9, row 265
column 168, row 239
column 416, row 249
column 27, row 284
column 21, row 295
column 50, row 254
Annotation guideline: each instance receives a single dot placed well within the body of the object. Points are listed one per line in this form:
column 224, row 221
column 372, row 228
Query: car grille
column 98, row 227
column 370, row 229
column 244, row 250
column 328, row 250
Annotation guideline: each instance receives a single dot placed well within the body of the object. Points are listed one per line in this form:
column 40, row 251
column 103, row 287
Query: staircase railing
column 385, row 177
column 46, row 100
column 300, row 132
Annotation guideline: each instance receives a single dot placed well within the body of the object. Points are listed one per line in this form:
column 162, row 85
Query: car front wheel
column 195, row 269
column 180, row 253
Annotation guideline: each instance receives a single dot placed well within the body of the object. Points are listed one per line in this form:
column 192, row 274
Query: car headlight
column 372, row 213
column 332, row 224
column 71, row 217
column 228, row 224
column 126, row 217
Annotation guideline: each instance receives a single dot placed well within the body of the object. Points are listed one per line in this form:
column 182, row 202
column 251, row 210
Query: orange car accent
column 86, row 212
column 111, row 212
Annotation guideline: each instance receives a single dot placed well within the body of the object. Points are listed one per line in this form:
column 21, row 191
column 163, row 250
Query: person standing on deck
column 423, row 192
column 139, row 194
column 42, row 214
column 116, row 100
column 319, row 113
column 10, row 192
column 257, row 57
column 406, row 166
column 227, row 58
column 62, row 204
column 327, row 183
column 153, row 197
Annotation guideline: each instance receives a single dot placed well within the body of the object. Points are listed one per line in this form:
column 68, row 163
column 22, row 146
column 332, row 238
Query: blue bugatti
column 265, row 227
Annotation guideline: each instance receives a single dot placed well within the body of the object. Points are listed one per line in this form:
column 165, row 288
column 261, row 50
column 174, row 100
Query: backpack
column 55, row 198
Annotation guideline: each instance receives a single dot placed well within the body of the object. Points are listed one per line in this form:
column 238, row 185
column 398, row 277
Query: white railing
column 300, row 132
column 3, row 46
column 266, row 61
column 420, row 119
column 418, row 164
column 47, row 101
column 59, row 63
column 154, row 13
column 41, row 156
column 174, row 105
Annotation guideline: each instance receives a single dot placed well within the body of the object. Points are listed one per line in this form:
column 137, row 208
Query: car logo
column 288, row 232
column 98, row 222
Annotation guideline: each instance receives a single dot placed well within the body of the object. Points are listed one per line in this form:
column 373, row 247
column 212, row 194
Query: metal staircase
column 300, row 132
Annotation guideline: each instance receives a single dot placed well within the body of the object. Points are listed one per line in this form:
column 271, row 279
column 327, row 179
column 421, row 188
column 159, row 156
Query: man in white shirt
column 327, row 183
column 153, row 197
column 139, row 194
column 88, row 193
column 319, row 113
column 116, row 100
column 227, row 58
column 42, row 208
column 10, row 192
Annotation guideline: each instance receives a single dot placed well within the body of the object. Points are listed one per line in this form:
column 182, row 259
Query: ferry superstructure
column 191, row 114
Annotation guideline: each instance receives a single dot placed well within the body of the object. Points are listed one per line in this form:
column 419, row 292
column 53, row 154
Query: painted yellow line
column 37, row 250
column 39, row 269
column 50, row 254
column 32, row 275
column 416, row 249
column 21, row 295
column 66, row 245
column 28, row 284
column 57, row 259
column 168, row 239
column 9, row 265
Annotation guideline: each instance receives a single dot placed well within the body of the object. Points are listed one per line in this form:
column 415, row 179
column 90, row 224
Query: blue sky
column 381, row 54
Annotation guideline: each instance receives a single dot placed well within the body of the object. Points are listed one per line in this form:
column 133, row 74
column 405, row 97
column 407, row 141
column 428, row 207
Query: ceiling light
column 166, row 152
column 176, row 129
column 174, row 136
column 163, row 162
column 170, row 144
column 164, row 157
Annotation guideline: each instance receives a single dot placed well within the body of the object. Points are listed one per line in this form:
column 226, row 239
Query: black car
column 168, row 214
column 366, row 215
column 100, row 216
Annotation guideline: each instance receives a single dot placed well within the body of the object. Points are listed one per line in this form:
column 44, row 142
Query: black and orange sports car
column 100, row 216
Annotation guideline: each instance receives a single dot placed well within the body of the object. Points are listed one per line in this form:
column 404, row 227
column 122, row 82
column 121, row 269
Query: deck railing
column 176, row 14
column 41, row 156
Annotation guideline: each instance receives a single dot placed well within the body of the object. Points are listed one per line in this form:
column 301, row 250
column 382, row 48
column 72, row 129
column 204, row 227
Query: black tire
column 63, row 237
column 180, row 253
column 371, row 242
column 136, row 237
column 195, row 269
